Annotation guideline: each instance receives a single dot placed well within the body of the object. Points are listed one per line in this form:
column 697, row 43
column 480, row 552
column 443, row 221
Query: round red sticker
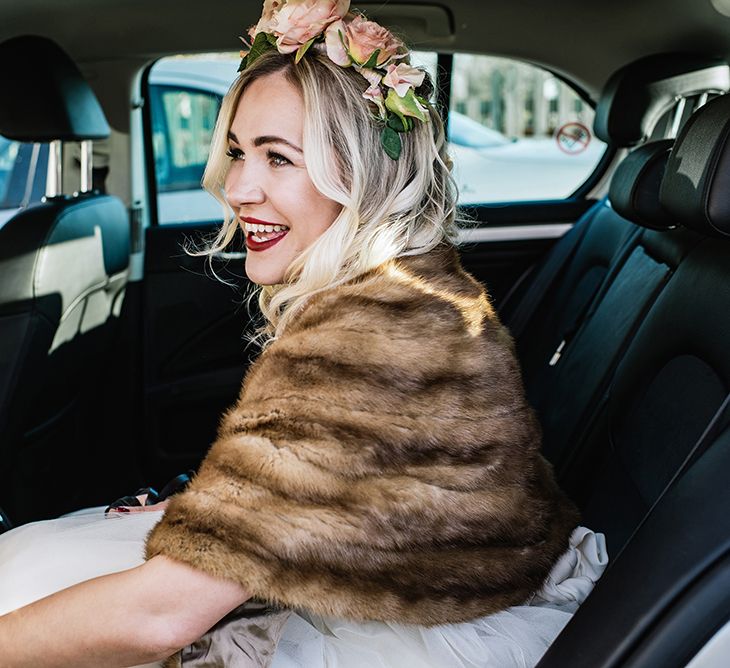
column 573, row 138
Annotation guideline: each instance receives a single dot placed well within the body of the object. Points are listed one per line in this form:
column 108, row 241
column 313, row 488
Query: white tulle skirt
column 43, row 557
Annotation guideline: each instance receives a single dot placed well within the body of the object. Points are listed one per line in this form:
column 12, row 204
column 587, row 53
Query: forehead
column 270, row 106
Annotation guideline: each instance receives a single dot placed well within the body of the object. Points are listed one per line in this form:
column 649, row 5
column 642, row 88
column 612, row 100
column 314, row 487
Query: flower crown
column 293, row 26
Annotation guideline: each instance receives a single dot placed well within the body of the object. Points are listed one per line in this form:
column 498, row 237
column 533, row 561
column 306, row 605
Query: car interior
column 119, row 351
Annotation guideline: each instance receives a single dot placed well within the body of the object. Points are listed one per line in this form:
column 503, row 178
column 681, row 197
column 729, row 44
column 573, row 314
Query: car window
column 517, row 132
column 23, row 169
column 10, row 195
column 183, row 119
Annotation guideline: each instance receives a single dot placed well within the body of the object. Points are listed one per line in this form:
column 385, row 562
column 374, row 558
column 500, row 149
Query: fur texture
column 381, row 462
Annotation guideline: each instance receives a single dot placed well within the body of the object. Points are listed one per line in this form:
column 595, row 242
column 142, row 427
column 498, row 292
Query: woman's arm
column 136, row 616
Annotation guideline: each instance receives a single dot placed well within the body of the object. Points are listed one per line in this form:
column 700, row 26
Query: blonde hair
column 389, row 207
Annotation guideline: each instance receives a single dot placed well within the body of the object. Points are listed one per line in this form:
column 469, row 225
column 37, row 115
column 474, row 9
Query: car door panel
column 506, row 240
column 195, row 351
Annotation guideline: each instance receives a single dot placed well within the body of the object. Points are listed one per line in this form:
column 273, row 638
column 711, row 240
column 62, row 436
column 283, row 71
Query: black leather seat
column 653, row 473
column 633, row 100
column 571, row 391
column 63, row 270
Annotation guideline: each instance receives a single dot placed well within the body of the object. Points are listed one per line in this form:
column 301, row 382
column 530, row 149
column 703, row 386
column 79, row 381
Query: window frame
column 443, row 97
column 443, row 101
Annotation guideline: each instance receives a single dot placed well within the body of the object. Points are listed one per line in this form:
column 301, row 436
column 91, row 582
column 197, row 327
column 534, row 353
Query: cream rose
column 335, row 40
column 298, row 21
column 364, row 37
column 401, row 77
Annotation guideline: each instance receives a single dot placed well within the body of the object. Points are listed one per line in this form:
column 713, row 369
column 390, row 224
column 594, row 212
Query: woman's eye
column 234, row 153
column 277, row 159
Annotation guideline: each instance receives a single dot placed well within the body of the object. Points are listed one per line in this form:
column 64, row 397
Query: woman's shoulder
column 417, row 293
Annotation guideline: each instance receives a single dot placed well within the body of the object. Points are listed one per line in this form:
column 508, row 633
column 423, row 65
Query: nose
column 243, row 188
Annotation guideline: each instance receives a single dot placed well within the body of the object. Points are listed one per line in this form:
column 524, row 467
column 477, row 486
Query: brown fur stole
column 381, row 462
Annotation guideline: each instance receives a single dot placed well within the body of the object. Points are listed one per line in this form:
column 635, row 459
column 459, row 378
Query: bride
column 376, row 496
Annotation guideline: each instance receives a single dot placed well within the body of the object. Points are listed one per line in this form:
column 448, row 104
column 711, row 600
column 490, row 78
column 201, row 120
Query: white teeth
column 257, row 227
column 258, row 239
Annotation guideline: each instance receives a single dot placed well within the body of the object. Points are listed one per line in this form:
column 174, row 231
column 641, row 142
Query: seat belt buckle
column 556, row 355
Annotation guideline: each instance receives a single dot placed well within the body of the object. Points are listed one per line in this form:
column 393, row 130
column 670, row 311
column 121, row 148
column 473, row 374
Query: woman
column 380, row 473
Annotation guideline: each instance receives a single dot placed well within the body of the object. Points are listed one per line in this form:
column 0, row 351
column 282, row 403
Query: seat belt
column 558, row 257
column 701, row 445
column 703, row 442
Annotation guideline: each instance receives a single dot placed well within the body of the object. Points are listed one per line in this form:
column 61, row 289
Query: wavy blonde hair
column 389, row 207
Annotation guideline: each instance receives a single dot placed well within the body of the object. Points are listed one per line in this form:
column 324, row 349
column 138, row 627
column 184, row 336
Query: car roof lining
column 584, row 41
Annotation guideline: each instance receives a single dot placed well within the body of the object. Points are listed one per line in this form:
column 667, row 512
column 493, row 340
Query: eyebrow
column 267, row 139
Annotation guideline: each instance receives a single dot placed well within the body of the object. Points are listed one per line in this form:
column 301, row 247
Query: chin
column 262, row 275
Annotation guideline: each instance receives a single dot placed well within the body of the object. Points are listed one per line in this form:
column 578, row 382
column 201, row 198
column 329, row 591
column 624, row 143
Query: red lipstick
column 272, row 238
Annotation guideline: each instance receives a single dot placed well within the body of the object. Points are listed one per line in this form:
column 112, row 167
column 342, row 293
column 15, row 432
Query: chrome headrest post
column 677, row 120
column 54, row 180
column 86, row 165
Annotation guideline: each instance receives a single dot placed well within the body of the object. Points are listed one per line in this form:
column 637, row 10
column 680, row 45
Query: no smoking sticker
column 573, row 138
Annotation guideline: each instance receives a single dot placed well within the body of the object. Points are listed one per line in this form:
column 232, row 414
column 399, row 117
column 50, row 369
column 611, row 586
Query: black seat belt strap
column 544, row 276
column 702, row 443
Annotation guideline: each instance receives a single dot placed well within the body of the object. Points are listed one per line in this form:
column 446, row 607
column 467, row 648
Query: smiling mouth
column 261, row 235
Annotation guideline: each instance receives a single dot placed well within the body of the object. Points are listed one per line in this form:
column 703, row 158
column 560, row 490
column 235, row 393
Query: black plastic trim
column 149, row 153
column 444, row 67
column 534, row 212
column 691, row 622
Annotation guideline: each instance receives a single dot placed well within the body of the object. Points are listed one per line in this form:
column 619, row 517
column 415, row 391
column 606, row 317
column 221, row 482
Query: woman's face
column 267, row 186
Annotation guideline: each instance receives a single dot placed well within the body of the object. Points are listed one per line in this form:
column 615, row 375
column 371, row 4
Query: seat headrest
column 696, row 186
column 45, row 97
column 634, row 191
column 635, row 96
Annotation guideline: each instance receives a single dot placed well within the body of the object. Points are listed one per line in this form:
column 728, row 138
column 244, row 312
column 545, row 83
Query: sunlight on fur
column 472, row 309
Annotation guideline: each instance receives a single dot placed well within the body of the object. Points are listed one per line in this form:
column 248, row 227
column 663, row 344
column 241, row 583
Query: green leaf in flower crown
column 390, row 140
column 373, row 60
column 261, row 44
column 404, row 106
column 399, row 124
column 303, row 49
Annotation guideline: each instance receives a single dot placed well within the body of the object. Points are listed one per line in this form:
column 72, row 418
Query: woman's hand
column 141, row 508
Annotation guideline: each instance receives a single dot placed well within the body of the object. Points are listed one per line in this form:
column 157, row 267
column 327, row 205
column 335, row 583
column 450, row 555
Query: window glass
column 517, row 132
column 23, row 169
column 183, row 139
column 8, row 151
column 185, row 97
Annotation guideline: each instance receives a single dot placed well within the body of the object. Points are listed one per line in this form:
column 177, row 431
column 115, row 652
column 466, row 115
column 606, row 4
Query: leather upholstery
column 44, row 95
column 635, row 96
column 63, row 272
column 696, row 189
column 634, row 191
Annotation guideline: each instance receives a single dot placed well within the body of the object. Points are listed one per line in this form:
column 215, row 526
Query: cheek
column 326, row 212
column 228, row 183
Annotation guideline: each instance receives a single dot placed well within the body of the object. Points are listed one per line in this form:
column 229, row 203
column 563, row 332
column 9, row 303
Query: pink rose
column 298, row 21
column 335, row 40
column 401, row 77
column 364, row 37
column 267, row 22
column 374, row 93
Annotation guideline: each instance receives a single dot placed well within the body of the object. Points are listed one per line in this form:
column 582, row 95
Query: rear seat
column 568, row 392
column 633, row 100
column 652, row 473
